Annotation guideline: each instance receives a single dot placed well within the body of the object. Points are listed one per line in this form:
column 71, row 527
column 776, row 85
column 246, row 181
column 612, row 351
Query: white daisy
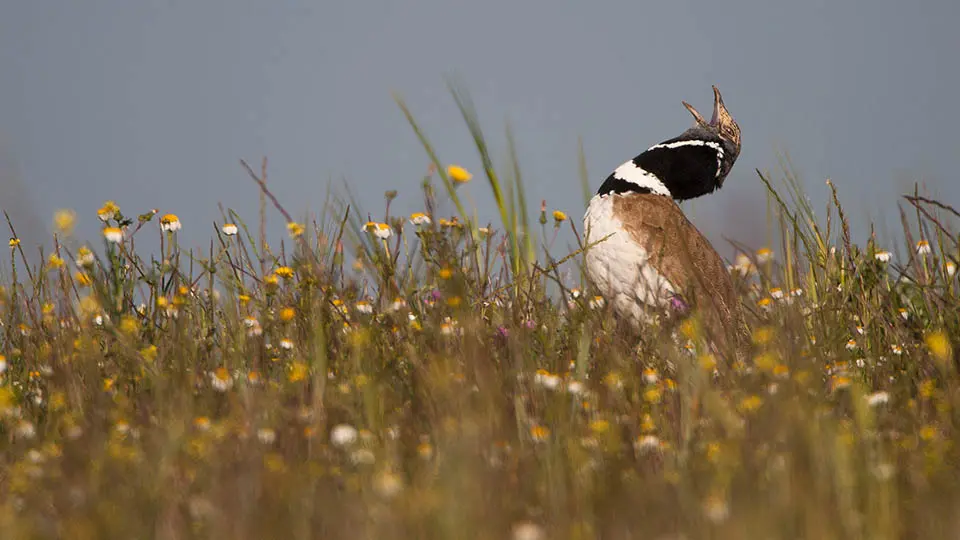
column 266, row 435
column 527, row 530
column 221, row 380
column 878, row 398
column 343, row 435
column 170, row 223
column 546, row 379
column 380, row 230
column 419, row 218
column 646, row 443
column 113, row 234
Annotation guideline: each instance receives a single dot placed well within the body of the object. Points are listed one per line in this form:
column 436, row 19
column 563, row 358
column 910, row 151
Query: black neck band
column 620, row 186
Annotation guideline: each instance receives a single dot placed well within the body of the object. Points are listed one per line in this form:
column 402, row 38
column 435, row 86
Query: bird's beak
column 696, row 116
column 720, row 114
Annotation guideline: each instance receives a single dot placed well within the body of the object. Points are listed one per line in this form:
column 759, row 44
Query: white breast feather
column 619, row 266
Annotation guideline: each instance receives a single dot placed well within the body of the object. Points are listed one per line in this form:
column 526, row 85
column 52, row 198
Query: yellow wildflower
column 89, row 305
column 287, row 314
column 458, row 174
column 108, row 211
column 425, row 450
column 271, row 280
column 763, row 335
column 750, row 403
column 149, row 353
column 129, row 325
column 64, row 220
column 713, row 452
column 55, row 261
column 559, row 217
column 14, row 242
column 600, row 426
column 613, row 380
column 652, row 395
column 839, row 382
column 765, row 362
column 284, row 271
column 928, row 433
column 58, row 400
column 297, row 372
column 294, row 229
column 690, row 329
column 939, row 345
column 7, row 399
column 708, row 362
column 539, row 433
column 82, row 279
column 273, row 462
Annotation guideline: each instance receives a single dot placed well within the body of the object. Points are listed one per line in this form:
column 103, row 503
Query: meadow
column 436, row 376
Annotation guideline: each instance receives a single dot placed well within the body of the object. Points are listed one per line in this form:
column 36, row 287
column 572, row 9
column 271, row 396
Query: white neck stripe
column 629, row 172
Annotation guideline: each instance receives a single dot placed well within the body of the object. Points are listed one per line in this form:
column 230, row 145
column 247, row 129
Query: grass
column 445, row 380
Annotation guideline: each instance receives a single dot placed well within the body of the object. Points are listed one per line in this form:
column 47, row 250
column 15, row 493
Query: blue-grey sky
column 152, row 103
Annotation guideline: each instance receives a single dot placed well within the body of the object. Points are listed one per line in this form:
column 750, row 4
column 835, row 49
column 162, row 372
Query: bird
column 643, row 254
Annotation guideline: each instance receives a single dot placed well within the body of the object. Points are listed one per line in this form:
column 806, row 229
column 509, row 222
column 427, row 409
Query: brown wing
column 687, row 259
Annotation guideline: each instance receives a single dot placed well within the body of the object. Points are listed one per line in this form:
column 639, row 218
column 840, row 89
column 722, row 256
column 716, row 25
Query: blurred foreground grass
column 447, row 380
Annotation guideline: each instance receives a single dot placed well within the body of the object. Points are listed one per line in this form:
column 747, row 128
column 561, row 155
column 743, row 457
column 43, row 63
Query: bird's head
column 721, row 124
column 691, row 165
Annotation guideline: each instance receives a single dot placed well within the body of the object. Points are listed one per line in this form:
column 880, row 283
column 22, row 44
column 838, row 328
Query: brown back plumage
column 683, row 256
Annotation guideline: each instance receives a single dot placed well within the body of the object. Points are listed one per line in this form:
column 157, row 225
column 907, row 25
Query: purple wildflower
column 678, row 304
